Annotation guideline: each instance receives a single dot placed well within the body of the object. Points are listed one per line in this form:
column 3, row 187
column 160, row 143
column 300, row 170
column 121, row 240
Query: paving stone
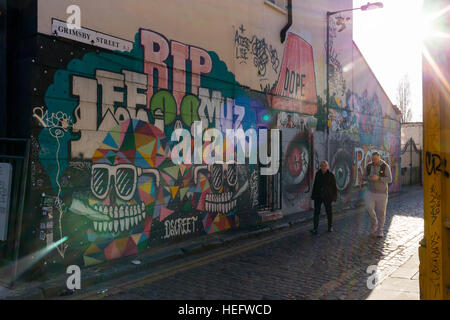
column 399, row 284
column 408, row 269
column 381, row 294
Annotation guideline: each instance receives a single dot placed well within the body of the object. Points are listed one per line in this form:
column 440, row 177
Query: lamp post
column 368, row 6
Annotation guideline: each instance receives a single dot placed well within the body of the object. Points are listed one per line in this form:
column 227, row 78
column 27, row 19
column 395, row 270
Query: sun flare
column 431, row 27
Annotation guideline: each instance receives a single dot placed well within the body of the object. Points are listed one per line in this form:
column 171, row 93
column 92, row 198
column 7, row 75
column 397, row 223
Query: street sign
column 5, row 192
column 88, row 36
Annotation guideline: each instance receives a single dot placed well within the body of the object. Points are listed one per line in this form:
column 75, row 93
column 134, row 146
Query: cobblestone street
column 292, row 265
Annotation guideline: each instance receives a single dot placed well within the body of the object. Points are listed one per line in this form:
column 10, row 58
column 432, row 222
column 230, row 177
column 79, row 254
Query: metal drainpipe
column 328, row 85
column 289, row 24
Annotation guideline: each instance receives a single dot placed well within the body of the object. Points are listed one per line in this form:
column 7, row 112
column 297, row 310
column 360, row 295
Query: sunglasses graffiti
column 125, row 190
column 123, row 179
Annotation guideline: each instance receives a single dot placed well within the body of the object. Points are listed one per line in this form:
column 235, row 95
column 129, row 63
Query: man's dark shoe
column 330, row 229
column 313, row 231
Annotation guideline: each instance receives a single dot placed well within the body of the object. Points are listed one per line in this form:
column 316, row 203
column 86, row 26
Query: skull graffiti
column 124, row 179
column 223, row 180
column 226, row 184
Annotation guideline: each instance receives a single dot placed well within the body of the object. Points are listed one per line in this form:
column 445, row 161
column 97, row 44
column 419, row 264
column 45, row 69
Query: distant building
column 412, row 130
column 411, row 155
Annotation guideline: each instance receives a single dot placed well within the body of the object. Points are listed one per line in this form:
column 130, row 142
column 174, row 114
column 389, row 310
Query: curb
column 123, row 267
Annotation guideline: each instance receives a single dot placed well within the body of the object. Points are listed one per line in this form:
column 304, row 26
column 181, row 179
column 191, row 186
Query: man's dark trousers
column 328, row 209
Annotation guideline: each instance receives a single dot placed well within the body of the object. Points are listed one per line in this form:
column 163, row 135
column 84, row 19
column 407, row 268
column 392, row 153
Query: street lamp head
column 368, row 6
column 371, row 6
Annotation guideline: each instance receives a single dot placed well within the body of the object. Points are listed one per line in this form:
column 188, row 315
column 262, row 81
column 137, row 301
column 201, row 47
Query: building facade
column 412, row 130
column 103, row 102
column 411, row 155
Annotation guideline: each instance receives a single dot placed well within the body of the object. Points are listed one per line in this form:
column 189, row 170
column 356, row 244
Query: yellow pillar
column 434, row 252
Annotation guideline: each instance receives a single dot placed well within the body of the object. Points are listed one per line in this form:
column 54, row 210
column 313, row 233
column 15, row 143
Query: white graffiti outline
column 58, row 124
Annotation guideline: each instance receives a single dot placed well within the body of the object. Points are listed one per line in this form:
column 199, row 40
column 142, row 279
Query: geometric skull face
column 124, row 178
column 225, row 183
column 222, row 196
column 223, row 186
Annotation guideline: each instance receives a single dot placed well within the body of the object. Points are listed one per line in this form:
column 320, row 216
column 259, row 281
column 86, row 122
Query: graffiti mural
column 294, row 93
column 342, row 147
column 298, row 169
column 112, row 116
column 103, row 125
column 296, row 86
column 357, row 130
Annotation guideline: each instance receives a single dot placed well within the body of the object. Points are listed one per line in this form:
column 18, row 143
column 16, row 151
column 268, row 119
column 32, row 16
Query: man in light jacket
column 378, row 174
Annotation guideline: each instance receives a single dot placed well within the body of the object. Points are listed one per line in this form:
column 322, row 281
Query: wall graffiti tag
column 258, row 49
column 337, row 81
column 435, row 262
column 435, row 203
column 58, row 124
column 434, row 164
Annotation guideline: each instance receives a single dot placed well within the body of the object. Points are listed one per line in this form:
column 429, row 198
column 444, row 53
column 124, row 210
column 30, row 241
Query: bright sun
column 430, row 27
column 395, row 39
column 435, row 37
column 433, row 26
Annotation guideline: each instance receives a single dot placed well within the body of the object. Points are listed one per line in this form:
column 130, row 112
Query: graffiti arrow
column 62, row 249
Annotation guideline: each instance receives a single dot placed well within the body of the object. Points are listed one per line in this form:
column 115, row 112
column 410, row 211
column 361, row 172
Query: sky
column 390, row 39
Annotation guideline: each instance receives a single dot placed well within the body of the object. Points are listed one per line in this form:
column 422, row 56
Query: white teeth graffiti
column 119, row 225
column 220, row 203
column 123, row 217
column 118, row 211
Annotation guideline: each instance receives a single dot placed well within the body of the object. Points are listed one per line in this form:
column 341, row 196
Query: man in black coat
column 324, row 191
